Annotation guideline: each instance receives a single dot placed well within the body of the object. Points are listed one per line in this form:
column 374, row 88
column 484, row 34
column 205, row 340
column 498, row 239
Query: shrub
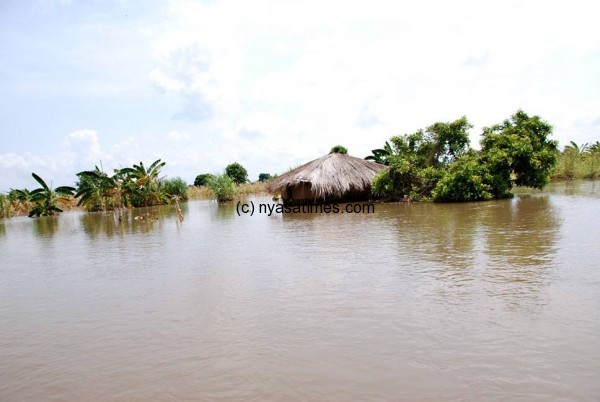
column 466, row 180
column 339, row 149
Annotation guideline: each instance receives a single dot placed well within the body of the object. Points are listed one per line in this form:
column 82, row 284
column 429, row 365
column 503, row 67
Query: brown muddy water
column 485, row 301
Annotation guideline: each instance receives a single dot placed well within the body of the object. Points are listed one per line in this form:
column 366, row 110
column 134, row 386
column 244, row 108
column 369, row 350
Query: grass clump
column 222, row 188
column 175, row 187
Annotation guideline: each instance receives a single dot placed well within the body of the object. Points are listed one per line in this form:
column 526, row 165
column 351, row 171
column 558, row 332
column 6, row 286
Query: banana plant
column 46, row 199
column 579, row 150
column 381, row 155
column 97, row 191
column 142, row 186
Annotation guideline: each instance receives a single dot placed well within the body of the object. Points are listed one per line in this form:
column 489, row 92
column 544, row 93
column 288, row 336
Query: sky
column 274, row 84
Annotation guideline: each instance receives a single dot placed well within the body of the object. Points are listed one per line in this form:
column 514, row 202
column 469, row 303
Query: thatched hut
column 334, row 177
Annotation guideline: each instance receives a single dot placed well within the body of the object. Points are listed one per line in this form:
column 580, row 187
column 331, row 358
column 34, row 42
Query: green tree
column 466, row 180
column 339, row 149
column 202, row 179
column 518, row 152
column 46, row 199
column 437, row 163
column 417, row 161
column 237, row 173
column 262, row 177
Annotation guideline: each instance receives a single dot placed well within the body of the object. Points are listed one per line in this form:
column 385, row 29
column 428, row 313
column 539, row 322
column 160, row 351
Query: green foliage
column 578, row 162
column 141, row 186
column 466, row 180
column 437, row 163
column 175, row 187
column 135, row 186
column 520, row 151
column 21, row 195
column 237, row 173
column 222, row 187
column 97, row 191
column 381, row 155
column 417, row 161
column 262, row 177
column 339, row 149
column 202, row 179
column 46, row 200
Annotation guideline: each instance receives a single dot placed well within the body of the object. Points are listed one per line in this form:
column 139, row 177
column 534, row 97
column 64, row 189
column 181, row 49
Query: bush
column 339, row 149
column 466, row 180
column 175, row 187
column 237, row 173
column 222, row 187
column 202, row 179
column 437, row 163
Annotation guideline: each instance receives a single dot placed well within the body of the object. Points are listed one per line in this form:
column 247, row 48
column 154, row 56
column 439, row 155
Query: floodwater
column 484, row 301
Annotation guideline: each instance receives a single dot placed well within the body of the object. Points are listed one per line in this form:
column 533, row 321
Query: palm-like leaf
column 46, row 199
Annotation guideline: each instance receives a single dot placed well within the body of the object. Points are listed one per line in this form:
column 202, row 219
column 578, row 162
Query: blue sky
column 275, row 84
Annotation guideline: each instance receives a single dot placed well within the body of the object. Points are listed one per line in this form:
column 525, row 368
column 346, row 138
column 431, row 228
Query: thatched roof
column 331, row 175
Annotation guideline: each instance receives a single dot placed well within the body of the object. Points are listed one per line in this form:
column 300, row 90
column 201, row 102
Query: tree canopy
column 237, row 173
column 438, row 164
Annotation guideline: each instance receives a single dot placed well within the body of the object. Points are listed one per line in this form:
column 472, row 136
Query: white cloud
column 177, row 136
column 273, row 84
column 339, row 72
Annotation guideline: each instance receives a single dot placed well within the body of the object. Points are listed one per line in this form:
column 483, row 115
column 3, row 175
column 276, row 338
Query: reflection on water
column 222, row 211
column 45, row 226
column 484, row 301
column 139, row 220
column 521, row 247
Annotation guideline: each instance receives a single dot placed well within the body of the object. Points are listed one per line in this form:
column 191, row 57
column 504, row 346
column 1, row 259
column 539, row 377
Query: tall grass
column 250, row 188
column 175, row 187
column 199, row 193
column 206, row 193
column 573, row 165
column 222, row 187
column 4, row 206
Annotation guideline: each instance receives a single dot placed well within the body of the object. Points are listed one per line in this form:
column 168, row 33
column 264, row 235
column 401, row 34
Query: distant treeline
column 436, row 163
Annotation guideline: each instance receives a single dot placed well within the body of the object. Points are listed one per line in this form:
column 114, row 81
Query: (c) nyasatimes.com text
column 249, row 208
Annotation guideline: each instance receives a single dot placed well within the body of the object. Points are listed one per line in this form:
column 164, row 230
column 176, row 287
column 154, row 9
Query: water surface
column 483, row 301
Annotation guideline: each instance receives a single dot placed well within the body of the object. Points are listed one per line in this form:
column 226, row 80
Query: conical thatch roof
column 331, row 176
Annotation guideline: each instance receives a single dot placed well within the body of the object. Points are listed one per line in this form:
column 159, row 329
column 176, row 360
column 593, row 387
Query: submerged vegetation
column 222, row 187
column 46, row 200
column 433, row 164
column 135, row 186
column 578, row 162
column 438, row 163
